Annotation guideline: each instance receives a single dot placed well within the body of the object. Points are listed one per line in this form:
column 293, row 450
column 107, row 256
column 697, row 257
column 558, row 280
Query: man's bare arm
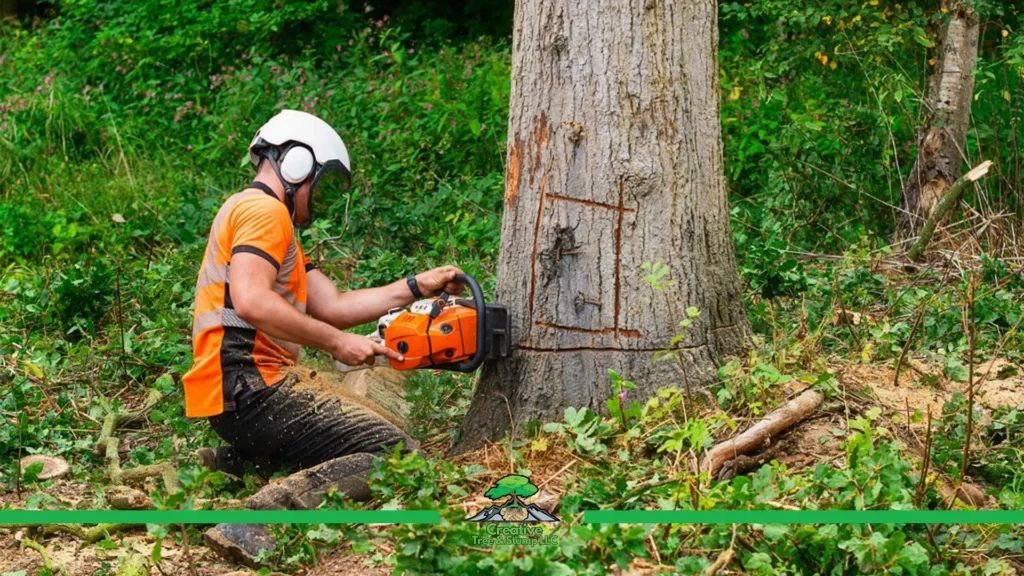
column 252, row 295
column 344, row 310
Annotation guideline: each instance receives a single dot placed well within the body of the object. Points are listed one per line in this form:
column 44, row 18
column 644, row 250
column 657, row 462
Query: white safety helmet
column 299, row 146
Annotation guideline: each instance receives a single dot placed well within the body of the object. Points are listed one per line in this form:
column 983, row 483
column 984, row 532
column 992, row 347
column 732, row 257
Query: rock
column 53, row 466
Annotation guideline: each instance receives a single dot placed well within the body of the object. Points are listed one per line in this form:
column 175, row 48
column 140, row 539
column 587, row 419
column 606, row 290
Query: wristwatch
column 414, row 286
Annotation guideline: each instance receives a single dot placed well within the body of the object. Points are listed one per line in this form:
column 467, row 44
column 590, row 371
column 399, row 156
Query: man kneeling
column 258, row 301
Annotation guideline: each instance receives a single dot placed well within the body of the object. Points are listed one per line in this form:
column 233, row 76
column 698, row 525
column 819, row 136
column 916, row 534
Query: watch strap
column 414, row 286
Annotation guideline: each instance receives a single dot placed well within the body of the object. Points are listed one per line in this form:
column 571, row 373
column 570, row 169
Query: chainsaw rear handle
column 481, row 320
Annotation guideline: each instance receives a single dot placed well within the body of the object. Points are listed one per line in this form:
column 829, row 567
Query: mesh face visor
column 328, row 188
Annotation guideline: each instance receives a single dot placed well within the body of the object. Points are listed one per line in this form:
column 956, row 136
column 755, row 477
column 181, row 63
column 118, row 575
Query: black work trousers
column 331, row 438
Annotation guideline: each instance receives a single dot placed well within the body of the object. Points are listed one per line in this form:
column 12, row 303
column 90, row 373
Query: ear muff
column 297, row 164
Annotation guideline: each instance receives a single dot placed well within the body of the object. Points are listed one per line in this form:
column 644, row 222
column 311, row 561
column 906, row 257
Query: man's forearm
column 368, row 304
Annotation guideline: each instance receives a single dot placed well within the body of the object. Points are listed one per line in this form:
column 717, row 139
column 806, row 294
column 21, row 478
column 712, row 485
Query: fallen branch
column 115, row 420
column 108, row 445
column 47, row 563
column 724, row 558
column 166, row 470
column 762, row 433
column 118, row 476
column 951, row 197
column 97, row 533
column 113, row 460
column 721, row 562
column 90, row 536
column 743, row 464
column 127, row 498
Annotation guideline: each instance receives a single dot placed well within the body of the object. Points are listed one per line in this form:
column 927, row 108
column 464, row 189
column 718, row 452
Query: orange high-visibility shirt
column 227, row 350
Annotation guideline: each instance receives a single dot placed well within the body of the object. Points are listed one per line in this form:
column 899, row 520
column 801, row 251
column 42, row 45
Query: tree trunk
column 940, row 141
column 614, row 160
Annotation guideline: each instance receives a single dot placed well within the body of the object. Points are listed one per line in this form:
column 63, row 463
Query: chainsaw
column 444, row 333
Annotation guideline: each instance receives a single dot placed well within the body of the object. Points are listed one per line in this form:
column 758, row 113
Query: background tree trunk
column 940, row 142
column 614, row 160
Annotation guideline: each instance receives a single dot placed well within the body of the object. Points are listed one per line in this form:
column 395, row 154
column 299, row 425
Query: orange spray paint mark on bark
column 539, row 138
column 515, row 168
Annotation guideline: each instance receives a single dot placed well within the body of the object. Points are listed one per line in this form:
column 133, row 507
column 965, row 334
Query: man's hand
column 353, row 350
column 433, row 282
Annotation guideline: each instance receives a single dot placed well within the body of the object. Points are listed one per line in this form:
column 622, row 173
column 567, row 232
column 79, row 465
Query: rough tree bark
column 614, row 160
column 940, row 141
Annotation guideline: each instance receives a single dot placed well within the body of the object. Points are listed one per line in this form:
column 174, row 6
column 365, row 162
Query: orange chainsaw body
column 451, row 337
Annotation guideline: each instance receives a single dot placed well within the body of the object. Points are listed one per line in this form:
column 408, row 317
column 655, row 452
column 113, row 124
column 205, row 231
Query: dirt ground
column 64, row 551
column 1001, row 385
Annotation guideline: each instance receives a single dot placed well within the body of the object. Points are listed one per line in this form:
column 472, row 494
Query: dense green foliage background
column 123, row 125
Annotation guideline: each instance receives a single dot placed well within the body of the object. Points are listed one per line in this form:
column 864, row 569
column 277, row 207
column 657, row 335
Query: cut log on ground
column 763, row 432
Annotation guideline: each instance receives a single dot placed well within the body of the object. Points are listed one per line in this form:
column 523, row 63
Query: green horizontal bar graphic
column 219, row 517
column 804, row 516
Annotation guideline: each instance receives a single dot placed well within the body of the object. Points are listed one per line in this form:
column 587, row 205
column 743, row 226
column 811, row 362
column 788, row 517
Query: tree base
column 541, row 384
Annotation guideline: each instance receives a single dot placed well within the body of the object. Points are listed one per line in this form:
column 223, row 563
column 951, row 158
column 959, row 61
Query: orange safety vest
column 227, row 350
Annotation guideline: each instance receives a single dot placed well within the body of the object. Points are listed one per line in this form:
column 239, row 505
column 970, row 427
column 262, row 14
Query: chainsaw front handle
column 481, row 320
column 379, row 360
